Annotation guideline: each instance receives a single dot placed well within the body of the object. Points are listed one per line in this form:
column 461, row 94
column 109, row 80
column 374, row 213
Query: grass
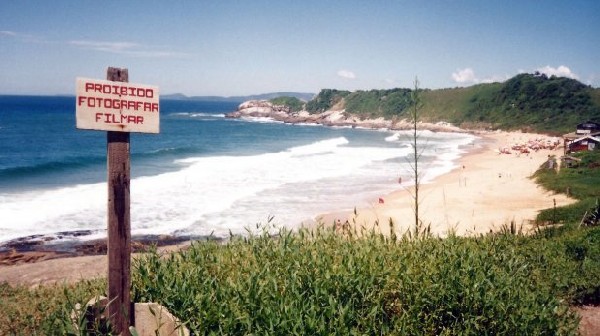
column 45, row 310
column 323, row 283
column 327, row 284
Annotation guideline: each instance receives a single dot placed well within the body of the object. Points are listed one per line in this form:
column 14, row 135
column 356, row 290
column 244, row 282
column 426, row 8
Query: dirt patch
column 590, row 320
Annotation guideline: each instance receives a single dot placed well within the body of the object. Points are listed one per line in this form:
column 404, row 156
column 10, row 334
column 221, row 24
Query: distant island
column 527, row 102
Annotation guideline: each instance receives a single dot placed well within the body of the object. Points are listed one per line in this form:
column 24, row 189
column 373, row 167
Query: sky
column 234, row 48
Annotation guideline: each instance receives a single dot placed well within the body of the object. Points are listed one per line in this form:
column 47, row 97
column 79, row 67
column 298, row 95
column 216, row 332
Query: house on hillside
column 584, row 143
column 588, row 128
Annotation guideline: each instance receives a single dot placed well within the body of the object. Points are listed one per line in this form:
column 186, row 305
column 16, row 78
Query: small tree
column 416, row 105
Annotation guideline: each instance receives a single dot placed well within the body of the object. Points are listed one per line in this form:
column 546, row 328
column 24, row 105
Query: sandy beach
column 485, row 192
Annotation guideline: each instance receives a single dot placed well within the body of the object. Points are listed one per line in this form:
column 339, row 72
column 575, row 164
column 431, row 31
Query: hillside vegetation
column 293, row 103
column 530, row 102
column 536, row 102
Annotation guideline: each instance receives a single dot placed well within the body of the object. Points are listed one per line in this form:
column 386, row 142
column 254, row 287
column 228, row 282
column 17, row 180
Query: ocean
column 203, row 175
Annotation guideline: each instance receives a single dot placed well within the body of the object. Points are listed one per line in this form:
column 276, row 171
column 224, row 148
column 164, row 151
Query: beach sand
column 490, row 191
column 485, row 192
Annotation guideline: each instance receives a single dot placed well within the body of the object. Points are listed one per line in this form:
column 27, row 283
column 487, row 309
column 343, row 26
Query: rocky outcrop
column 265, row 109
column 262, row 108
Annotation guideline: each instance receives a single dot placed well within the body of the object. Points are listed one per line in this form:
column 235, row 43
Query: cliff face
column 265, row 109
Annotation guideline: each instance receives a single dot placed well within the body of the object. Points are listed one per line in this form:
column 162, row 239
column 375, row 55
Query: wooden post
column 119, row 223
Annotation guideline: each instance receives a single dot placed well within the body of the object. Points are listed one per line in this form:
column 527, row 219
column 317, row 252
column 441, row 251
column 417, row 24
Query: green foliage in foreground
column 328, row 284
column 324, row 283
column 580, row 182
column 45, row 310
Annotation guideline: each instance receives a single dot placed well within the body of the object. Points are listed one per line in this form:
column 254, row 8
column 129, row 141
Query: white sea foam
column 197, row 115
column 265, row 120
column 393, row 137
column 309, row 124
column 222, row 194
column 324, row 146
column 204, row 115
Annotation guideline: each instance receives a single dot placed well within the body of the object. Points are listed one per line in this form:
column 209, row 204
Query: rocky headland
column 339, row 118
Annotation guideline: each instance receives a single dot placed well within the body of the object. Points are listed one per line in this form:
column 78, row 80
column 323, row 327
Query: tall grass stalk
column 414, row 114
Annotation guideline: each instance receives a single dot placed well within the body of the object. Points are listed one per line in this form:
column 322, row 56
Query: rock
column 262, row 108
column 154, row 319
column 151, row 319
column 266, row 109
column 13, row 257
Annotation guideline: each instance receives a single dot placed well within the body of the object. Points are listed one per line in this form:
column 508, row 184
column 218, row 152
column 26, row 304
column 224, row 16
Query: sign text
column 117, row 106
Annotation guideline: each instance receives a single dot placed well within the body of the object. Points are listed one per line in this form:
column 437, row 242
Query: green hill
column 531, row 102
column 534, row 102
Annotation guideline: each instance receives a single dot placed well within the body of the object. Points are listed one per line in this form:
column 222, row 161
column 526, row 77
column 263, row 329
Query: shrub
column 323, row 283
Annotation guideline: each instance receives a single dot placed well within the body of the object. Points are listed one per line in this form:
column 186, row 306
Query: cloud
column 591, row 79
column 8, row 33
column 114, row 47
column 467, row 75
column 126, row 48
column 123, row 48
column 561, row 71
column 495, row 79
column 346, row 74
column 21, row 37
column 463, row 76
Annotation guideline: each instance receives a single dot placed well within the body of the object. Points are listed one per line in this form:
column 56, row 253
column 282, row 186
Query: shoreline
column 486, row 192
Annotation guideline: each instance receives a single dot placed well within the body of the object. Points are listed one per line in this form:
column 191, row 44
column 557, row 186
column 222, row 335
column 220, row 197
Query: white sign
column 116, row 106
